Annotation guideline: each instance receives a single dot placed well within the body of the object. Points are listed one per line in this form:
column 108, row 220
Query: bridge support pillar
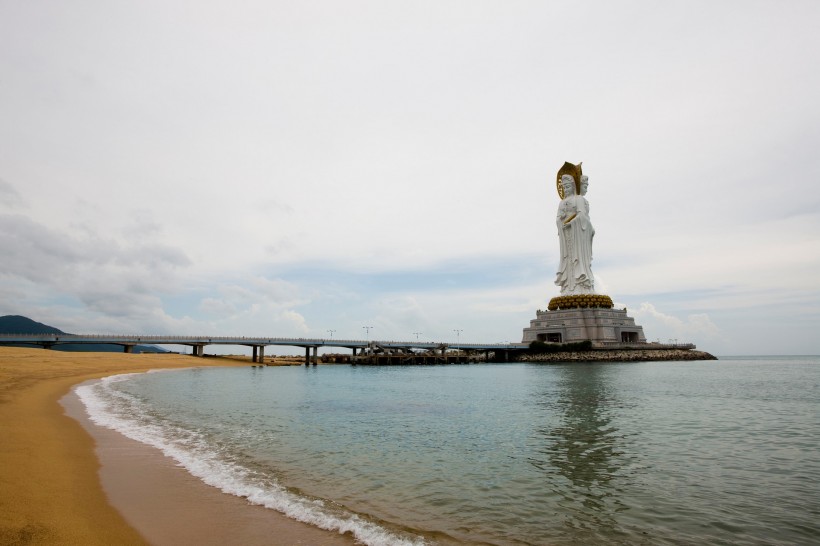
column 261, row 354
column 128, row 348
column 315, row 355
column 307, row 356
column 255, row 351
column 198, row 350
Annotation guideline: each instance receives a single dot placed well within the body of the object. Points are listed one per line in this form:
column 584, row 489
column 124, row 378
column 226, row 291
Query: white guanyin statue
column 575, row 233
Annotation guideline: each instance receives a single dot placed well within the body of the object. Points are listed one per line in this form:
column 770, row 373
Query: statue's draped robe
column 575, row 234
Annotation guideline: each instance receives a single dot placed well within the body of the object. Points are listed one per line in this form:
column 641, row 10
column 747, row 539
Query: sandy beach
column 64, row 480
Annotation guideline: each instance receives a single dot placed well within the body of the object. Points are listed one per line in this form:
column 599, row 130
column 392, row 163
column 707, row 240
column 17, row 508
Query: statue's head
column 584, row 184
column 567, row 185
column 573, row 171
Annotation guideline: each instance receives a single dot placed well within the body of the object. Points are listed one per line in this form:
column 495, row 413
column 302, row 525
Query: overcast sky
column 289, row 168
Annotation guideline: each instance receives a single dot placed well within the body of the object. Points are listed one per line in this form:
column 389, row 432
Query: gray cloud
column 9, row 196
column 108, row 277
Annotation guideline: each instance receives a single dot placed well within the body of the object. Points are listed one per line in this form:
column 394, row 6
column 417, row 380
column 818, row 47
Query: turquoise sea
column 715, row 452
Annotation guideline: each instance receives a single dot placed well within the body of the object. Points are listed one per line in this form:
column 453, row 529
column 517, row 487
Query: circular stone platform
column 580, row 300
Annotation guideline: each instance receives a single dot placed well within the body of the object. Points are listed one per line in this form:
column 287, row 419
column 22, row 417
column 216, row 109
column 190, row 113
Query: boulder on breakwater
column 616, row 355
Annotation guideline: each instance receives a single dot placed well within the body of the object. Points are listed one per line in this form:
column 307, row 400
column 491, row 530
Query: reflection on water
column 585, row 457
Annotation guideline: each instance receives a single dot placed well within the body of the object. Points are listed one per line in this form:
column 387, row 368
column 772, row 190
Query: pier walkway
column 258, row 344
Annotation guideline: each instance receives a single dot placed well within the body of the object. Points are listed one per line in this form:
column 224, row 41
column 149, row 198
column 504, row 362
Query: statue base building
column 583, row 317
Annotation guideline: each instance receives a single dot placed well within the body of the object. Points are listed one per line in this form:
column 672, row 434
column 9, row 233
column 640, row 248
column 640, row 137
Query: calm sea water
column 711, row 452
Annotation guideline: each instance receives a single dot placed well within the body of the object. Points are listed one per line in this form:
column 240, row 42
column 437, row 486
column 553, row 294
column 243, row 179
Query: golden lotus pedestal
column 580, row 300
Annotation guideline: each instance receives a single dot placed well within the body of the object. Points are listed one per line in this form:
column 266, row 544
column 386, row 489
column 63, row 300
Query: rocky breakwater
column 616, row 355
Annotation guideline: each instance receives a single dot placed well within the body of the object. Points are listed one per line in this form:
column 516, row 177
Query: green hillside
column 15, row 324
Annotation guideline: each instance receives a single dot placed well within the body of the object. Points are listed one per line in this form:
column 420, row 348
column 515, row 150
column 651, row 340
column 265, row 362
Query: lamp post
column 367, row 328
column 458, row 335
column 331, row 333
column 417, row 335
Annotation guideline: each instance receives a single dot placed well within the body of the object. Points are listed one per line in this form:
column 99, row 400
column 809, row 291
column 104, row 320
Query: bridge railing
column 245, row 340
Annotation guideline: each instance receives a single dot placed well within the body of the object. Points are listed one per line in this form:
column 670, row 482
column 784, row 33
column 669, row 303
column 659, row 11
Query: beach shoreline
column 65, row 480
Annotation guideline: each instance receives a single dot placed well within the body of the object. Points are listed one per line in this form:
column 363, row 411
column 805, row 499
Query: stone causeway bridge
column 258, row 344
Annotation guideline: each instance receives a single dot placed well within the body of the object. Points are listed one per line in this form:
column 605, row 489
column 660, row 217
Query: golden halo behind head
column 572, row 170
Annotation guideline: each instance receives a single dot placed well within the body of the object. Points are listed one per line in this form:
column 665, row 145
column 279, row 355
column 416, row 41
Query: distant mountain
column 16, row 324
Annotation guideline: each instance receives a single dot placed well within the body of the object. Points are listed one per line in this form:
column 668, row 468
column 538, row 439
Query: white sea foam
column 112, row 408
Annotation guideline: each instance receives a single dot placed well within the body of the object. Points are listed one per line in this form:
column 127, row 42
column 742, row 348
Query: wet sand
column 64, row 480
